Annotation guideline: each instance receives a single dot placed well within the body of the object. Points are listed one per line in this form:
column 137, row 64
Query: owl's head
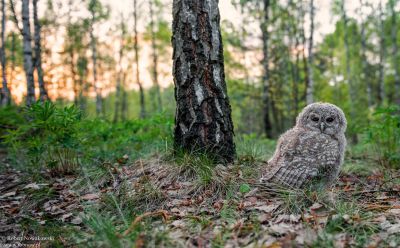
column 324, row 117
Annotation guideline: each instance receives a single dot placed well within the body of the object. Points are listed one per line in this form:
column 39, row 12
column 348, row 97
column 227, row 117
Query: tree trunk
column 265, row 63
column 124, row 104
column 155, row 56
column 5, row 93
column 381, row 55
column 119, row 76
column 352, row 97
column 136, row 48
column 38, row 51
column 28, row 62
column 203, row 114
column 310, row 81
column 395, row 51
column 364, row 77
column 99, row 99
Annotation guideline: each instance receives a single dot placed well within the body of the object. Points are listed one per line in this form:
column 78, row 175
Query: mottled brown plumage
column 312, row 152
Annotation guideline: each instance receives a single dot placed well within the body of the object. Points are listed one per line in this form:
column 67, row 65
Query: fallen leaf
column 90, row 197
column 267, row 208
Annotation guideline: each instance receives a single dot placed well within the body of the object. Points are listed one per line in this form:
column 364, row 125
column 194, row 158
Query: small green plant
column 383, row 134
column 47, row 137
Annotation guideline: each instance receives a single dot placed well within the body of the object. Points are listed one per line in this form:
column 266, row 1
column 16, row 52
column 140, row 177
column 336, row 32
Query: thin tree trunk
column 365, row 77
column 38, row 51
column 303, row 52
column 124, row 104
column 5, row 93
column 13, row 59
column 381, row 56
column 99, row 99
column 265, row 64
column 136, row 49
column 310, row 81
column 28, row 62
column 348, row 69
column 155, row 56
column 395, row 51
column 203, row 114
column 119, row 76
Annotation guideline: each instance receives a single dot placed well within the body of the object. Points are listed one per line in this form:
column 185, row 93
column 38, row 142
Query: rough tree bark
column 310, row 81
column 38, row 54
column 136, row 49
column 395, row 55
column 203, row 114
column 99, row 99
column 265, row 64
column 155, row 56
column 27, row 47
column 349, row 78
column 5, row 93
column 381, row 56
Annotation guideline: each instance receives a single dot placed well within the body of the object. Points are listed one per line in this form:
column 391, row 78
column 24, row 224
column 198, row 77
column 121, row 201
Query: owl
column 312, row 152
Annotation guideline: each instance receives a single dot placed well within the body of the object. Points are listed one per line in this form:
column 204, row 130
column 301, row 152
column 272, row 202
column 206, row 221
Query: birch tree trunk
column 5, row 93
column 119, row 74
column 155, row 56
column 99, row 99
column 395, row 51
column 352, row 97
column 27, row 47
column 365, row 78
column 265, row 64
column 38, row 51
column 203, row 114
column 310, row 81
column 136, row 49
column 381, row 55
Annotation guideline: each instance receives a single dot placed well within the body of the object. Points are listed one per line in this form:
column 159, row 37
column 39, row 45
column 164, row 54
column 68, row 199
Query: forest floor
column 164, row 202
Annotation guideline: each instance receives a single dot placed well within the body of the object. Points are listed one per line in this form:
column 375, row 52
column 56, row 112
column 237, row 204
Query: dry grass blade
column 162, row 213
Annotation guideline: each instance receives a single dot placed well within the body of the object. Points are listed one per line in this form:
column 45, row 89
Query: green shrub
column 383, row 134
column 61, row 139
column 47, row 136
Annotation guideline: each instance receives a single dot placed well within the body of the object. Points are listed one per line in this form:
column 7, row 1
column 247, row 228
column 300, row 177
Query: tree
column 97, row 13
column 364, row 61
column 120, row 76
column 38, row 53
column 28, row 62
column 349, row 76
column 136, row 49
column 395, row 55
column 203, row 114
column 310, row 81
column 265, row 64
column 381, row 75
column 155, row 55
column 5, row 93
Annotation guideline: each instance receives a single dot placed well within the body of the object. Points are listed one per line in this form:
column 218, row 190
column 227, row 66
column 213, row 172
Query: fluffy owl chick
column 312, row 152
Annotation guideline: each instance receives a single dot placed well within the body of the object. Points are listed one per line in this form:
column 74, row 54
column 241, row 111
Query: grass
column 130, row 167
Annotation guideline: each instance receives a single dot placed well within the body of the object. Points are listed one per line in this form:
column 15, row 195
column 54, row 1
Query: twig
column 162, row 213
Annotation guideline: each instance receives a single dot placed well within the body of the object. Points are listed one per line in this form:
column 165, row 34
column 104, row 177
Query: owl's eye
column 315, row 119
column 329, row 119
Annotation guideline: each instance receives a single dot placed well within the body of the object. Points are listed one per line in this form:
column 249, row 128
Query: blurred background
column 113, row 59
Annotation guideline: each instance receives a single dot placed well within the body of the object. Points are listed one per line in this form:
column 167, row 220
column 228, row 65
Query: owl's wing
column 286, row 150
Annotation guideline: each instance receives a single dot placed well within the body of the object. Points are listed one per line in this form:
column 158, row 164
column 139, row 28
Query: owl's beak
column 322, row 126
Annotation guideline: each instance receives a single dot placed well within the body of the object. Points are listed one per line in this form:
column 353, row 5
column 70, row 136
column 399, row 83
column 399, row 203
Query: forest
column 149, row 123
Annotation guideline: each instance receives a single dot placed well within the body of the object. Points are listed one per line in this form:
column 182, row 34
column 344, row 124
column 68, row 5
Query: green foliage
column 61, row 139
column 383, row 134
